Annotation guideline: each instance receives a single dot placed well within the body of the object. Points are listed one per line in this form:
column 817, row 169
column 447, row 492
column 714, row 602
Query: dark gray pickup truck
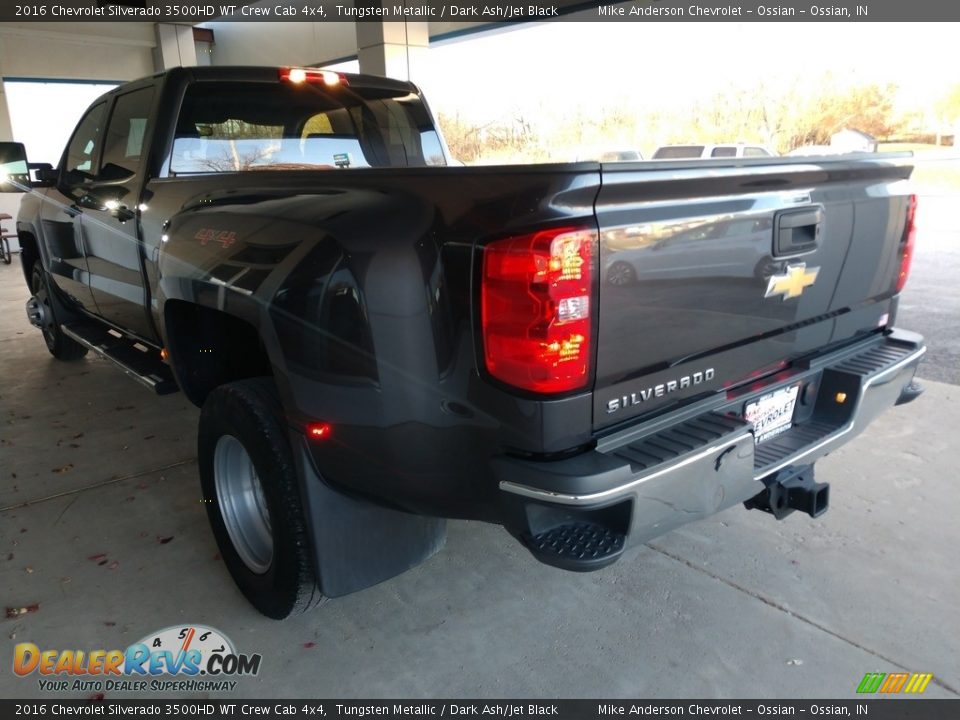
column 587, row 354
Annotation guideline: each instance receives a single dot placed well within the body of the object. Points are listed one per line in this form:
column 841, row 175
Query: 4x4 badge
column 792, row 282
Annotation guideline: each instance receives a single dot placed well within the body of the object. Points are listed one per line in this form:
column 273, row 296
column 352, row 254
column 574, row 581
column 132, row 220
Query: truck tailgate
column 710, row 276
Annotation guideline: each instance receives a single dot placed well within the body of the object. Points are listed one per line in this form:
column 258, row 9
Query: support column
column 392, row 49
column 6, row 128
column 174, row 46
column 9, row 202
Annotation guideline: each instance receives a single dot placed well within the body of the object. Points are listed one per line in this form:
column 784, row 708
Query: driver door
column 110, row 219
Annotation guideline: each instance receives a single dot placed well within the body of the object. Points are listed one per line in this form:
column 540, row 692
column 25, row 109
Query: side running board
column 137, row 360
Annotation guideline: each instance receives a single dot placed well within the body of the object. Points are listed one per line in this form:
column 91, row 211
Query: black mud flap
column 357, row 544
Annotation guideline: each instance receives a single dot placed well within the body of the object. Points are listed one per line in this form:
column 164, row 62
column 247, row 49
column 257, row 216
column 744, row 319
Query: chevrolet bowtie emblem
column 792, row 281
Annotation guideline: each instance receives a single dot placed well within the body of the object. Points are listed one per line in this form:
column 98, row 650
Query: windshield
column 239, row 126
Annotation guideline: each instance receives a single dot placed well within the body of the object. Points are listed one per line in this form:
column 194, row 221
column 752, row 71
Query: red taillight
column 319, row 431
column 535, row 309
column 298, row 75
column 908, row 242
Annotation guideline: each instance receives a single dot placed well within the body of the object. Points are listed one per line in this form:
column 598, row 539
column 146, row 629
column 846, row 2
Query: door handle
column 801, row 218
column 121, row 212
column 797, row 232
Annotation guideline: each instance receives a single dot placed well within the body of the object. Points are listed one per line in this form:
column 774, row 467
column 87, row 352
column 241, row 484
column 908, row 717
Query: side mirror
column 14, row 173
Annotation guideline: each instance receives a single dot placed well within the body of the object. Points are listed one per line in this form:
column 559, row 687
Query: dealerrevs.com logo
column 192, row 658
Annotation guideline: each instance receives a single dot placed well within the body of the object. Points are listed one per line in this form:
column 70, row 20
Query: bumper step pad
column 577, row 546
column 675, row 442
column 849, row 375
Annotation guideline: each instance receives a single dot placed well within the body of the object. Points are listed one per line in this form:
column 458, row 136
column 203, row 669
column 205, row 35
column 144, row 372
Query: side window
column 724, row 152
column 83, row 145
column 432, row 149
column 755, row 152
column 126, row 132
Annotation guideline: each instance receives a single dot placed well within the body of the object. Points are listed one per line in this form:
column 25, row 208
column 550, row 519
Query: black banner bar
column 478, row 11
column 872, row 708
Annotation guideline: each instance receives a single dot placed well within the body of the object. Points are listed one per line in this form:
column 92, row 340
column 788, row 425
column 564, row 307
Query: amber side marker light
column 841, row 398
column 164, row 355
column 319, row 431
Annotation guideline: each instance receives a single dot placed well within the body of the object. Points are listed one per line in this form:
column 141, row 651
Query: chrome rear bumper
column 702, row 460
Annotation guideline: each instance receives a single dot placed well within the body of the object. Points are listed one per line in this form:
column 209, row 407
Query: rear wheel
column 40, row 309
column 253, row 498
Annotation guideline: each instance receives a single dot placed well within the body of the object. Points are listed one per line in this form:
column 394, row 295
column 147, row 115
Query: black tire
column 59, row 345
column 250, row 411
column 5, row 251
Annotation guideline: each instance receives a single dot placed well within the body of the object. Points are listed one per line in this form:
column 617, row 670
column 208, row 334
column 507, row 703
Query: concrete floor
column 735, row 606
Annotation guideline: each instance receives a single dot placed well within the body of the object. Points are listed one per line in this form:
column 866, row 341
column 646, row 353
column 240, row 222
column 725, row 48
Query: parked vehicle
column 728, row 150
column 734, row 247
column 378, row 342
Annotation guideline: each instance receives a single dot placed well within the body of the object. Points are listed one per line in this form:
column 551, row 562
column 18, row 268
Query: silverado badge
column 792, row 282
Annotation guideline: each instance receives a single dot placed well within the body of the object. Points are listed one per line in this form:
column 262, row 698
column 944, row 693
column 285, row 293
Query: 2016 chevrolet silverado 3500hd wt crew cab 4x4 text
column 587, row 354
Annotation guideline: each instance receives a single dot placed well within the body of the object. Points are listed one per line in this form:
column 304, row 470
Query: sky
column 551, row 65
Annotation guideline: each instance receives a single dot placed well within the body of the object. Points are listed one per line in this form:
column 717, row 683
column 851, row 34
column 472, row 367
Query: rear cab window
column 244, row 126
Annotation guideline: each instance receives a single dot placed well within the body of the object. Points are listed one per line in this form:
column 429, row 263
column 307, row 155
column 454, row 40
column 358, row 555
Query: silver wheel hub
column 39, row 311
column 242, row 504
column 36, row 313
column 620, row 274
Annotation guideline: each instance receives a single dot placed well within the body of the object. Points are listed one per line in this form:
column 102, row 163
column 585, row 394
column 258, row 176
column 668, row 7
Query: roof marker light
column 298, row 76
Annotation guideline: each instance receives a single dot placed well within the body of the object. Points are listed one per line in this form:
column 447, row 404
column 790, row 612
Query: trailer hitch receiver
column 792, row 489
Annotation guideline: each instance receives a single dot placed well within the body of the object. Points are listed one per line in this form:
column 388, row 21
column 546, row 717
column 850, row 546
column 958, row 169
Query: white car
column 724, row 150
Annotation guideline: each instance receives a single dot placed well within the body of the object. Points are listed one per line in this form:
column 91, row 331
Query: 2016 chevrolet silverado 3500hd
column 588, row 354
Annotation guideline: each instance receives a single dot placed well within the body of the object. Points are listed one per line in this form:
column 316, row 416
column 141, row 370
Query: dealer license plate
column 772, row 414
